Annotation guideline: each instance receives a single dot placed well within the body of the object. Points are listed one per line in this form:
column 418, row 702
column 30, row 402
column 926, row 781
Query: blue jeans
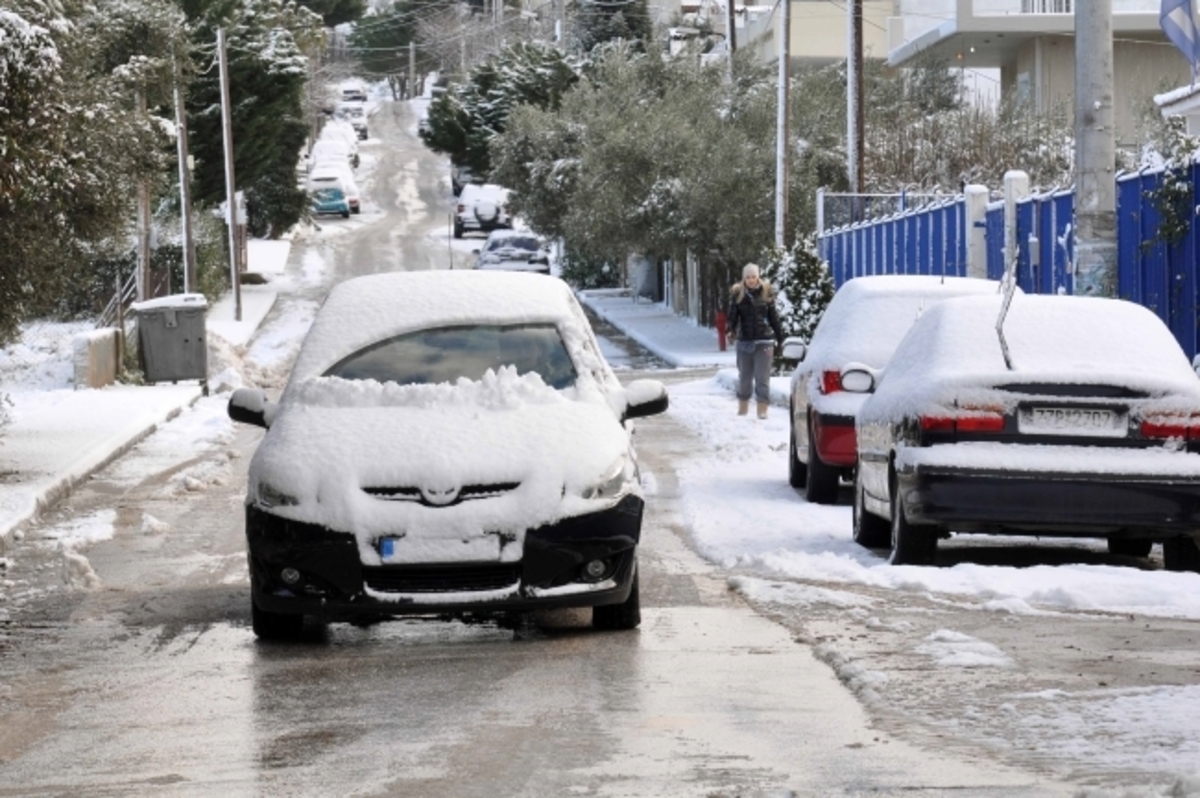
column 754, row 366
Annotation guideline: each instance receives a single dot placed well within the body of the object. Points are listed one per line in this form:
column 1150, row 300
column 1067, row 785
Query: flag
column 1178, row 21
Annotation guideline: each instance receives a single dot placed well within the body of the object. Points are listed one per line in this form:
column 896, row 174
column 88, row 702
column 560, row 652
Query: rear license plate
column 1073, row 421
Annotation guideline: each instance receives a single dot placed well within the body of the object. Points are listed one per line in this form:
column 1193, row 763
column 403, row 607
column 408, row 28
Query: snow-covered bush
column 803, row 284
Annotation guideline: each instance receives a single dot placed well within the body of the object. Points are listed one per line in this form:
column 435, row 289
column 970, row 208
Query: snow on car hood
column 333, row 438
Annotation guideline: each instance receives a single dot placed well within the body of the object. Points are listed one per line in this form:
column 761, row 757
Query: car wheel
column 822, row 484
column 275, row 625
column 626, row 615
column 458, row 230
column 345, row 214
column 1181, row 554
column 870, row 531
column 797, row 471
column 1130, row 547
column 911, row 544
column 356, row 210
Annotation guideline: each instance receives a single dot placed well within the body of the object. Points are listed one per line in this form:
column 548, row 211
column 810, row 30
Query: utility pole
column 1095, row 151
column 730, row 36
column 143, row 224
column 854, row 96
column 230, row 185
column 185, row 185
column 781, row 124
column 412, row 69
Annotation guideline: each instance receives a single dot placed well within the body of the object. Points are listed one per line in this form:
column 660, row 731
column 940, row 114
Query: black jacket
column 752, row 315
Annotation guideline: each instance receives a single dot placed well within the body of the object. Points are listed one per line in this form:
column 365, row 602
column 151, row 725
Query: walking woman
column 755, row 324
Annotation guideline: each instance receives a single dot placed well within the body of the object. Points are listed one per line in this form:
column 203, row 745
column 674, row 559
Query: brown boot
column 762, row 409
column 743, row 406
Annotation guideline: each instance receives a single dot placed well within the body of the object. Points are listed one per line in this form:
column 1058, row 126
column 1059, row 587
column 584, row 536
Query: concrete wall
column 1140, row 70
column 97, row 357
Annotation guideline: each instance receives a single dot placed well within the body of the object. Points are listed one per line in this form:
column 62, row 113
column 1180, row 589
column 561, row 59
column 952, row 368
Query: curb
column 53, row 493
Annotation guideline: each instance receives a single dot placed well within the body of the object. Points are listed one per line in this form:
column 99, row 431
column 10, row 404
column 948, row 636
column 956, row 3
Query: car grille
column 407, row 493
column 441, row 578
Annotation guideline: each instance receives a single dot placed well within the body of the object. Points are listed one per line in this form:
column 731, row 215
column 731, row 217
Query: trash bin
column 172, row 339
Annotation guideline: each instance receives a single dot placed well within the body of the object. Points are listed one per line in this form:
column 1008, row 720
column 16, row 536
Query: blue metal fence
column 933, row 241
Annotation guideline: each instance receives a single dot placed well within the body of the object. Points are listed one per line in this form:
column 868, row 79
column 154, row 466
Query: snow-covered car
column 332, row 150
column 514, row 250
column 861, row 327
column 461, row 176
column 481, row 208
column 356, row 114
column 447, row 443
column 1089, row 428
column 353, row 91
column 331, row 174
column 329, row 201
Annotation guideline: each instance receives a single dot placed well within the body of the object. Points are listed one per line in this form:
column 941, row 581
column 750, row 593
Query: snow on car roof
column 367, row 309
column 869, row 315
column 1052, row 339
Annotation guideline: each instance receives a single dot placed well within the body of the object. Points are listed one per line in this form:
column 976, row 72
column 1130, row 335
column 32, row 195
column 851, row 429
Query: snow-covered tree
column 804, row 284
column 464, row 120
column 267, row 77
column 600, row 22
column 74, row 139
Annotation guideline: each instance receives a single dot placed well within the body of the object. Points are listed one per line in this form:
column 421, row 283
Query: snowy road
column 775, row 657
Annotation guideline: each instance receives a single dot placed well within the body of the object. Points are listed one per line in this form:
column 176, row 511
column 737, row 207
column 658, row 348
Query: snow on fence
column 1159, row 274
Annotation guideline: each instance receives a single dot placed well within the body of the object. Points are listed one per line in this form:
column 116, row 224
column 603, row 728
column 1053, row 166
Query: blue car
column 326, row 201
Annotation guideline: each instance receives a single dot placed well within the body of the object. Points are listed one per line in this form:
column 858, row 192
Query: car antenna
column 1009, row 286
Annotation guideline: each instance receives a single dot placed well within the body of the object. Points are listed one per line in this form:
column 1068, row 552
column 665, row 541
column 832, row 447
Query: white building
column 1032, row 44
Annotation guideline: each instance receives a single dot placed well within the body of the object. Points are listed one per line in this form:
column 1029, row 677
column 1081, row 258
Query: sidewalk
column 62, row 437
column 674, row 338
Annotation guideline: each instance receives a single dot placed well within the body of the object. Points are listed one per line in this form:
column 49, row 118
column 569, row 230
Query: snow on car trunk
column 952, row 356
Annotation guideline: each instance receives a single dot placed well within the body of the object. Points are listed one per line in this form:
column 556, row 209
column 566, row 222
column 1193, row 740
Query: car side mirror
column 857, row 378
column 794, row 350
column 644, row 398
column 251, row 406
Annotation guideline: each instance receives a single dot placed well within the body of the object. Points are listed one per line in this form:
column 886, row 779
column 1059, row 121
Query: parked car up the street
column 861, row 327
column 481, row 209
column 447, row 443
column 1094, row 431
column 327, row 201
column 514, row 250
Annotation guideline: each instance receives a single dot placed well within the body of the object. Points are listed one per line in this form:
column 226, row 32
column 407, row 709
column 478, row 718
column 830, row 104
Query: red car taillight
column 831, row 381
column 462, row 208
column 989, row 422
column 1165, row 427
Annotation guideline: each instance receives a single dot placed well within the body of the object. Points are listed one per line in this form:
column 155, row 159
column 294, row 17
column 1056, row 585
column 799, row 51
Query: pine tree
column 803, row 284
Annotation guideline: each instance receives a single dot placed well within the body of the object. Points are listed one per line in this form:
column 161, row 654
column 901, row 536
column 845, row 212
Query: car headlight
column 614, row 481
column 269, row 496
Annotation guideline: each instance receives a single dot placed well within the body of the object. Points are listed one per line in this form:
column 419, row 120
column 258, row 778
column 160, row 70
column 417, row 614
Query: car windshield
column 446, row 354
column 514, row 242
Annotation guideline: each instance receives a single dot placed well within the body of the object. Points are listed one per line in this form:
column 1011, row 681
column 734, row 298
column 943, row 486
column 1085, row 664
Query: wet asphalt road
column 151, row 682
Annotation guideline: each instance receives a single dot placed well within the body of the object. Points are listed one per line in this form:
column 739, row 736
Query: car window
column 445, row 354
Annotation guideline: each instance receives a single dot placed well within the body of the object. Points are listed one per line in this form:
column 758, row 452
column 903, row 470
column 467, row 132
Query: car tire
column 797, row 471
column 356, row 210
column 911, row 544
column 275, row 625
column 623, row 616
column 870, row 531
column 1130, row 547
column 821, row 486
column 345, row 214
column 458, row 230
column 1181, row 554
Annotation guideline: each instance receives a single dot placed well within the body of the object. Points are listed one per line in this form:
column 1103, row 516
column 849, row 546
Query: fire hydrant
column 720, row 319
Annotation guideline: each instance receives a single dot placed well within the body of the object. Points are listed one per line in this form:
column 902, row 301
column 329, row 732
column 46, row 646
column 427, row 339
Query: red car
column 859, row 331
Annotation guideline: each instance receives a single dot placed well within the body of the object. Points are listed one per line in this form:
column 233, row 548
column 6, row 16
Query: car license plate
column 1087, row 421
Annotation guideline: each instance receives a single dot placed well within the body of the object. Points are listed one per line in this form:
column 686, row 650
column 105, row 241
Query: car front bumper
column 335, row 585
column 1059, row 504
